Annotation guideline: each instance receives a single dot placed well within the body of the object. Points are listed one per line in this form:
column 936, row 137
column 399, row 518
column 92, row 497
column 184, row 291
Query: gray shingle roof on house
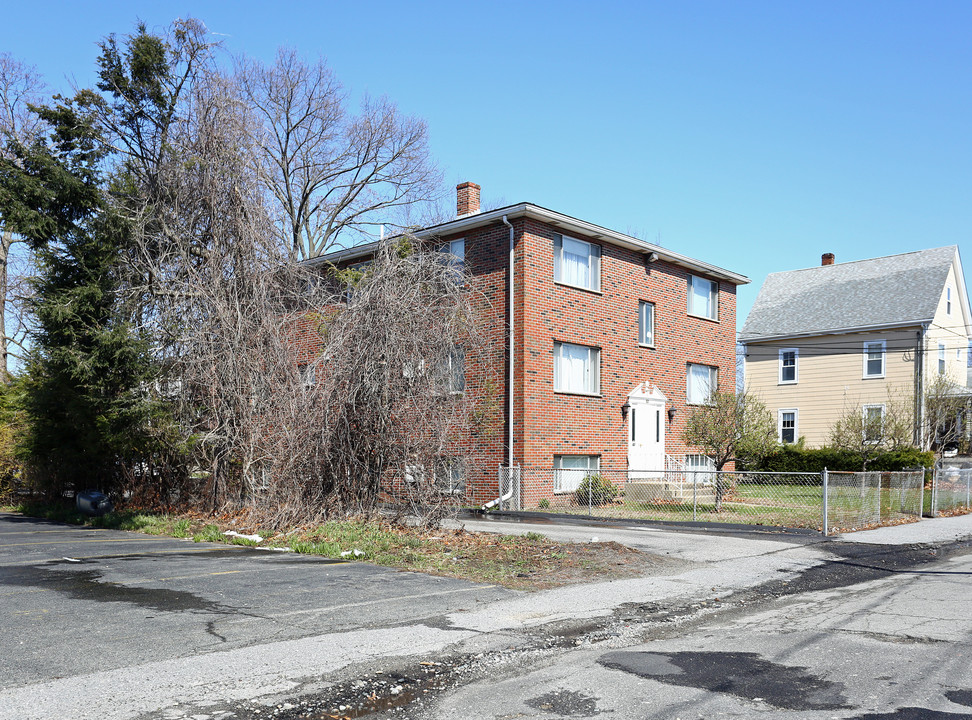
column 892, row 290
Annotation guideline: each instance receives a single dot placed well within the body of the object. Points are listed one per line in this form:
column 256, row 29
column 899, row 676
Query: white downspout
column 503, row 498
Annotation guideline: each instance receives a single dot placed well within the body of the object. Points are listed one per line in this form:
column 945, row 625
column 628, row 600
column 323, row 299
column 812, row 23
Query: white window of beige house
column 941, row 358
column 570, row 470
column 577, row 263
column 788, row 365
column 646, row 323
column 873, row 423
column 786, row 425
column 577, row 369
column 948, row 301
column 874, row 356
column 703, row 298
column 701, row 382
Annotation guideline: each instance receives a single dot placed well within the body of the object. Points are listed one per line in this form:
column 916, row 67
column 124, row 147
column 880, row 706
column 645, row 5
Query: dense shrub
column 794, row 458
column 596, row 490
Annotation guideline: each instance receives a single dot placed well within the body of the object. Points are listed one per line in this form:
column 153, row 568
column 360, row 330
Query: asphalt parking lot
column 75, row 600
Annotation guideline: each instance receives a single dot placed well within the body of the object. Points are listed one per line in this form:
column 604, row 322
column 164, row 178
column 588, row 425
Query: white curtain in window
column 572, row 365
column 700, row 383
column 702, row 297
column 576, row 263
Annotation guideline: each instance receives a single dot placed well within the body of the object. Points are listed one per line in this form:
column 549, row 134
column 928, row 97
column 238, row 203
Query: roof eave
column 744, row 340
column 567, row 223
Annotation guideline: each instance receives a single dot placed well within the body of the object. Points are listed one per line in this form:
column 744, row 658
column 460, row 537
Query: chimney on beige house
column 827, row 259
column 467, row 199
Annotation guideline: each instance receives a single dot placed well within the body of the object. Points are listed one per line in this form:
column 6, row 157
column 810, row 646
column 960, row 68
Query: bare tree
column 731, row 426
column 946, row 405
column 331, row 171
column 870, row 430
column 20, row 87
column 294, row 393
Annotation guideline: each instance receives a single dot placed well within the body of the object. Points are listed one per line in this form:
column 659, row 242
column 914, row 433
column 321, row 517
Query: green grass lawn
column 766, row 504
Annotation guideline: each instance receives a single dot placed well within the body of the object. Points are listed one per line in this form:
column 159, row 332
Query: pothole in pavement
column 745, row 675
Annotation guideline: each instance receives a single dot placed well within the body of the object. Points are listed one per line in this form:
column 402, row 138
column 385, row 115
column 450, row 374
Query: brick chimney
column 827, row 259
column 467, row 199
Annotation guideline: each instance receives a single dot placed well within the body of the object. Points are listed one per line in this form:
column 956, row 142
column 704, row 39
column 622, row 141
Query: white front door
column 646, row 434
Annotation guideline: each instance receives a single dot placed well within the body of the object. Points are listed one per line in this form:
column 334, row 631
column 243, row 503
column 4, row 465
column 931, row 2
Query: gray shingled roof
column 890, row 290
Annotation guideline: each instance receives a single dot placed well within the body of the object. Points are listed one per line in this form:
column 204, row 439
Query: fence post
column 968, row 487
column 695, row 497
column 826, row 528
column 590, row 496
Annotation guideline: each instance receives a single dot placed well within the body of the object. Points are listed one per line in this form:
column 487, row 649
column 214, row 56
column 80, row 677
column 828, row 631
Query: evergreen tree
column 87, row 371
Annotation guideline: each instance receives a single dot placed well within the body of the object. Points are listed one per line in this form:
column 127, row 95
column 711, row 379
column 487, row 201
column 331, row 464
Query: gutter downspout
column 509, row 384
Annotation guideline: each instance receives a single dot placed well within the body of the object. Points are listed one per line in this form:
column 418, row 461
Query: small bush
column 543, row 504
column 596, row 490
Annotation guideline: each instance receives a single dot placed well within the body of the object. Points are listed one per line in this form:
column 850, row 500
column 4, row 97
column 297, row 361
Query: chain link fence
column 951, row 490
column 854, row 500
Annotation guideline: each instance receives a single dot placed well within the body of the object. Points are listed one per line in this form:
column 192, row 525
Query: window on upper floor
column 948, row 301
column 788, row 365
column 787, row 425
column 703, row 297
column 941, row 358
column 570, row 470
column 455, row 252
column 646, row 323
column 453, row 371
column 577, row 369
column 874, row 352
column 701, row 382
column 577, row 263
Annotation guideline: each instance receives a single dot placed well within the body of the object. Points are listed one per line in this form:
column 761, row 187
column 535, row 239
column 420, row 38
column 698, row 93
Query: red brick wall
column 547, row 423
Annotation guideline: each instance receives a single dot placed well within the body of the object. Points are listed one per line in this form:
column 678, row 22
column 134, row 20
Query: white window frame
column 593, row 263
column 455, row 252
column 713, row 383
column 941, row 359
column 884, row 358
column 568, row 479
column 646, row 323
column 694, row 280
column 796, row 366
column 701, row 469
column 592, row 370
column 948, row 301
column 864, row 422
column 454, row 371
column 796, row 424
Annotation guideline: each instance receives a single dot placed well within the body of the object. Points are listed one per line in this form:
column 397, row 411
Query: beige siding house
column 860, row 336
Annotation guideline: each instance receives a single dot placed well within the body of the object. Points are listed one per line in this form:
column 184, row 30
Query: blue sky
column 753, row 135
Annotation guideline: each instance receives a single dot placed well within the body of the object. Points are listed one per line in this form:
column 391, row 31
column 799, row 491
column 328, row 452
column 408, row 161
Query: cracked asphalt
column 741, row 625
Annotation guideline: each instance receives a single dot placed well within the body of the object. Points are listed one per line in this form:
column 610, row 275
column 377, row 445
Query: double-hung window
column 455, row 252
column 701, row 382
column 577, row 263
column 941, row 358
column 788, row 365
column 703, row 297
column 874, row 353
column 646, row 323
column 577, row 369
column 453, row 370
column 873, row 423
column 570, row 470
column 787, row 425
column 948, row 301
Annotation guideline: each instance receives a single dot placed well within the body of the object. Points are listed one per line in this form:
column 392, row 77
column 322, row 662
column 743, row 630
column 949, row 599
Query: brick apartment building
column 613, row 340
